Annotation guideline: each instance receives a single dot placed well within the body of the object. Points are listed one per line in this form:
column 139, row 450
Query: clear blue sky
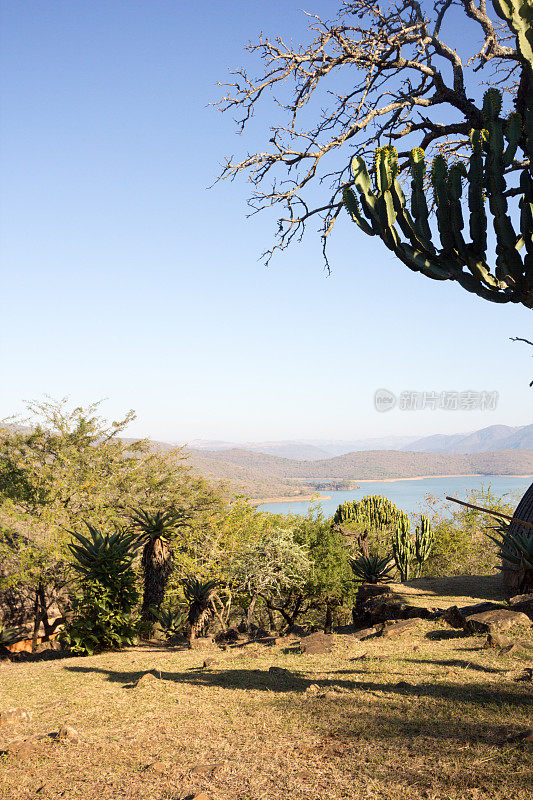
column 125, row 278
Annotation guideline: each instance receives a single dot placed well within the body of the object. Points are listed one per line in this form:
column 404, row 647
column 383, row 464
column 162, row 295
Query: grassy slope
column 375, row 464
column 426, row 716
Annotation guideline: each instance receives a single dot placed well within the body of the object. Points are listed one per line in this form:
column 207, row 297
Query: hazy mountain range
column 495, row 437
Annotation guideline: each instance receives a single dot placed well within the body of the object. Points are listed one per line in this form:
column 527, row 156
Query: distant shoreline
column 317, row 496
column 427, row 477
column 293, row 498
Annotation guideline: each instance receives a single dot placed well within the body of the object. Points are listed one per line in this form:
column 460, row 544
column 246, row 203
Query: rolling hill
column 368, row 465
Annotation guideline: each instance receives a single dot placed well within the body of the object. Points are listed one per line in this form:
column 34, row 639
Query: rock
column 525, row 675
column 228, row 636
column 209, row 663
column 398, row 628
column 206, row 769
column 23, row 749
column 281, row 672
column 316, row 643
column 365, row 633
column 158, row 766
column 13, row 715
column 523, row 603
column 496, row 640
column 495, row 620
column 202, row 643
column 146, row 680
column 520, row 598
column 67, row 732
column 454, row 617
column 314, row 689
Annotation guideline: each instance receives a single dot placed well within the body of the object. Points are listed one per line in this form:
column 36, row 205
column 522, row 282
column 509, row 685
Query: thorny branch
column 376, row 74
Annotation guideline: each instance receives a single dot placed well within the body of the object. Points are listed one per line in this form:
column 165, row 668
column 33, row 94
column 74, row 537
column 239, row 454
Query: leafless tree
column 377, row 74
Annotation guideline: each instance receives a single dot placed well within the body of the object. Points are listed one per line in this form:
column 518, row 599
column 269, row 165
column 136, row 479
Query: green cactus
column 424, row 540
column 381, row 207
column 403, row 549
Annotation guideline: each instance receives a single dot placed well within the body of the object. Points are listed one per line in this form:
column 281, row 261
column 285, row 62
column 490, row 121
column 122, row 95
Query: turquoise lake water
column 410, row 495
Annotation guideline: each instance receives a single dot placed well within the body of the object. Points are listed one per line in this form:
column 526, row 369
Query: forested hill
column 370, row 464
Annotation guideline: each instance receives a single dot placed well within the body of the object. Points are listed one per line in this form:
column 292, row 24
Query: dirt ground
column 432, row 714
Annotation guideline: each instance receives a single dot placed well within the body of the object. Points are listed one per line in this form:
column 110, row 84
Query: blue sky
column 126, row 278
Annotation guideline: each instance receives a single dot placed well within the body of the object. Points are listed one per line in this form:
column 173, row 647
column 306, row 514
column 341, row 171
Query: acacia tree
column 388, row 75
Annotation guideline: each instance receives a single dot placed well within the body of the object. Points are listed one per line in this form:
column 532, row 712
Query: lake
column 410, row 495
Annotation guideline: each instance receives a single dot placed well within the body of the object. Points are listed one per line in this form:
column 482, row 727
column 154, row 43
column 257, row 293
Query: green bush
column 101, row 620
column 461, row 545
column 107, row 593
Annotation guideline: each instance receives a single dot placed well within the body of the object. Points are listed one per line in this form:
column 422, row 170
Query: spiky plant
column 103, row 607
column 155, row 531
column 516, row 552
column 9, row 636
column 403, row 549
column 372, row 569
column 103, row 557
column 198, row 595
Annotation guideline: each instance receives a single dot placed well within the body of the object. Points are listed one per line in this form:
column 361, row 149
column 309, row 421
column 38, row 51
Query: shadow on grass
column 262, row 680
column 456, row 662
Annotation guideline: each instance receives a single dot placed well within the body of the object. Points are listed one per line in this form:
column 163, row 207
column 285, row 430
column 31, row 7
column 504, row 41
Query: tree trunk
column 250, row 614
column 328, row 625
column 157, row 566
column 36, row 621
column 271, row 620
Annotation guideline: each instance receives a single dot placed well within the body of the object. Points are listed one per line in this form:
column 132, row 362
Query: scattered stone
column 525, row 675
column 495, row 620
column 365, row 633
column 13, row 715
column 146, row 680
column 209, row 663
column 523, row 603
column 398, row 628
column 314, row 689
column 158, row 766
column 454, row 617
column 280, row 672
column 510, row 648
column 202, row 643
column 524, row 736
column 23, row 749
column 228, row 636
column 520, row 598
column 316, row 643
column 497, row 640
column 67, row 732
column 206, row 769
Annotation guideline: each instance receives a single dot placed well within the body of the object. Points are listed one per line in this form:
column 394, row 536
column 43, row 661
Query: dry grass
column 424, row 716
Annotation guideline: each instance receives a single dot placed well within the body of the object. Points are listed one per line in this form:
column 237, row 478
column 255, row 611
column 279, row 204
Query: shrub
column 461, row 546
column 107, row 594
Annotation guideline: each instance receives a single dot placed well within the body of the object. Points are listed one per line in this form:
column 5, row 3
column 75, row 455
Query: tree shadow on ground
column 455, row 662
column 262, row 680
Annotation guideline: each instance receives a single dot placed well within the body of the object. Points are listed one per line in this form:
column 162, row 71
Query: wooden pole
column 488, row 511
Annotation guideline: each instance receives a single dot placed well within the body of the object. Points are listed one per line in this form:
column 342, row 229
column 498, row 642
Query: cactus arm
column 352, row 206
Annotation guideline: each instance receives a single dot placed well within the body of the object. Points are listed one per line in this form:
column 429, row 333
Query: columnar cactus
column 379, row 207
column 424, row 540
column 403, row 549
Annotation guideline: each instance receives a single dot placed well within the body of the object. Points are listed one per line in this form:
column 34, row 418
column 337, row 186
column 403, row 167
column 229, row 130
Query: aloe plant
column 373, row 569
column 155, row 531
column 516, row 552
column 198, row 595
